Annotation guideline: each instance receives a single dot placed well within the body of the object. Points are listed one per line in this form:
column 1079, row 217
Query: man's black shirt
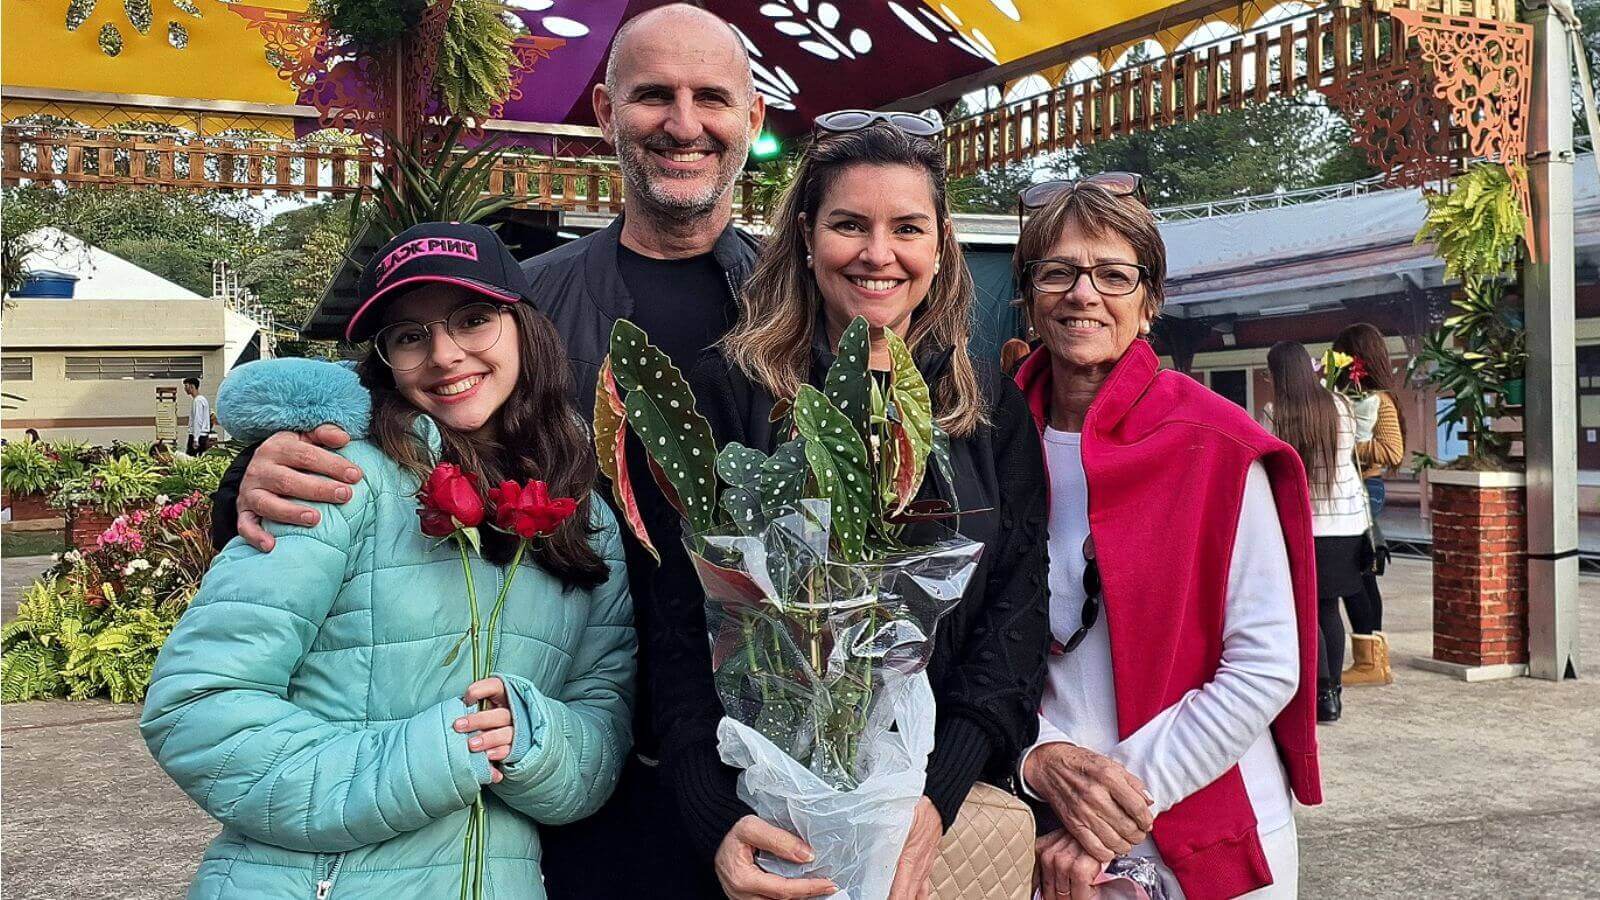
column 682, row 304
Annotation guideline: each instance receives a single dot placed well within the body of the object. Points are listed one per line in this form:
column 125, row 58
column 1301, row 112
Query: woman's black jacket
column 988, row 664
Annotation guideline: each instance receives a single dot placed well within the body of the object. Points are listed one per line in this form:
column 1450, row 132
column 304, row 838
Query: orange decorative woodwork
column 1484, row 70
column 1398, row 120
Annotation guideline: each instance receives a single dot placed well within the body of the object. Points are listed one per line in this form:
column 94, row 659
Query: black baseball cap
column 470, row 256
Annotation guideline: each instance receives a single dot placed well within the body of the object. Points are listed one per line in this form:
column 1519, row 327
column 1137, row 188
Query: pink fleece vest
column 1165, row 461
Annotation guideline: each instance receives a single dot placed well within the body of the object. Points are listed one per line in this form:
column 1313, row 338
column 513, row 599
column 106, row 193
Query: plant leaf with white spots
column 848, row 385
column 739, row 466
column 662, row 412
column 838, row 460
column 743, row 506
column 783, row 476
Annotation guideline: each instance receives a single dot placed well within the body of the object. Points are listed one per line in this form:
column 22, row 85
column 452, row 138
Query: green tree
column 305, row 246
column 994, row 190
column 1282, row 144
column 175, row 235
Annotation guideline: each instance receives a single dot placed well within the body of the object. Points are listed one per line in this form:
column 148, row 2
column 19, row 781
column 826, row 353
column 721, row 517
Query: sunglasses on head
column 1117, row 184
column 843, row 121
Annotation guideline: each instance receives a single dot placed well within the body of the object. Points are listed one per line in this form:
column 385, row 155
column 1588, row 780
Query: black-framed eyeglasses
column 1091, row 607
column 1057, row 276
column 405, row 345
column 842, row 121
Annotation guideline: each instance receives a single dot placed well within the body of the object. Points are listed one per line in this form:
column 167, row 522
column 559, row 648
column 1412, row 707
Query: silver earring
column 808, row 260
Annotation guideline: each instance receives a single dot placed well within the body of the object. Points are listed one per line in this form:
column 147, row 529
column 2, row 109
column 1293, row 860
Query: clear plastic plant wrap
column 805, row 647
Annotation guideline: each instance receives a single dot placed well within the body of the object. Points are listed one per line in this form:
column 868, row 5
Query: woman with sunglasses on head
column 317, row 701
column 1177, row 720
column 865, row 230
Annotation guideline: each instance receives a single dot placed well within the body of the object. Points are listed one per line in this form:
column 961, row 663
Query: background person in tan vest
column 1377, row 454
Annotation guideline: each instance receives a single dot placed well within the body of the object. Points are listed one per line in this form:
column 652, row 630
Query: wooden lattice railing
column 97, row 158
column 1324, row 49
column 77, row 158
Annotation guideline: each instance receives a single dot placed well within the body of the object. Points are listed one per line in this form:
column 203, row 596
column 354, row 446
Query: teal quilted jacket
column 304, row 701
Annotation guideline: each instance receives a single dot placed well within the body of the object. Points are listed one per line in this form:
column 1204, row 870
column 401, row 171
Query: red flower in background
column 450, row 500
column 529, row 511
column 1357, row 373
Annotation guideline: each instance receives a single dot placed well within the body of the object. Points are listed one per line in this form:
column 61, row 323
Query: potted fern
column 1476, row 359
column 1478, row 356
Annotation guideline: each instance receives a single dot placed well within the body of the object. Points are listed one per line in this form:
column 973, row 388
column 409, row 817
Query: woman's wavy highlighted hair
column 781, row 303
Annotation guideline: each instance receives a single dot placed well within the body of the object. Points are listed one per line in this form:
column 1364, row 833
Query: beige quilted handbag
column 988, row 852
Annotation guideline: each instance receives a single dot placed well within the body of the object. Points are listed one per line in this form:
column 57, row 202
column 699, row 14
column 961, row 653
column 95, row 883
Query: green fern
column 1481, row 348
column 32, row 672
column 1475, row 226
column 117, row 660
column 474, row 66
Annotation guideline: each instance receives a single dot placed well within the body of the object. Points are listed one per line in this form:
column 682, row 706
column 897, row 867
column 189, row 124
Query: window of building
column 129, row 368
column 1233, row 384
column 16, row 368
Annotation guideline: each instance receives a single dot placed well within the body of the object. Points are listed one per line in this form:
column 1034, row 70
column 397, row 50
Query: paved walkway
column 1435, row 788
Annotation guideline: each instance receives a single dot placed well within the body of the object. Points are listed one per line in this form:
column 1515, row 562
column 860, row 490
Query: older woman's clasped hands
column 1103, row 806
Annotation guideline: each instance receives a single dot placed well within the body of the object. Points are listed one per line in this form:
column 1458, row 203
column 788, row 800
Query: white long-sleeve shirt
column 200, row 417
column 1225, row 722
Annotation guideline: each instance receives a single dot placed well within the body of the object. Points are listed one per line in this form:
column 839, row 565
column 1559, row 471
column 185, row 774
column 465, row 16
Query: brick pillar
column 1480, row 584
column 86, row 526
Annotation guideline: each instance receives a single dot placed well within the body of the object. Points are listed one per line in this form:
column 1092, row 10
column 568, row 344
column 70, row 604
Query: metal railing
column 1233, row 205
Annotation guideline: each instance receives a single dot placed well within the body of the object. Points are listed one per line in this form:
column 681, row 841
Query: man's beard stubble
column 638, row 174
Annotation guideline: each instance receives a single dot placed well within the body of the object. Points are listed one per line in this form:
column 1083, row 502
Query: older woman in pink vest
column 1177, row 728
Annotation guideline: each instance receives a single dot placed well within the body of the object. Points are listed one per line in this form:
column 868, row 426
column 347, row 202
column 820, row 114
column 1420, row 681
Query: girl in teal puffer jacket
column 309, row 698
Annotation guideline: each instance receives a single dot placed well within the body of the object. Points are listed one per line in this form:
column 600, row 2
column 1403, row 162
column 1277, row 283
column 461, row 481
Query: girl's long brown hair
column 780, row 303
column 541, row 437
column 1365, row 342
column 1304, row 415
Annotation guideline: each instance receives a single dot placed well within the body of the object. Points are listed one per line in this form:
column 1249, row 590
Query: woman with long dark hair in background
column 1320, row 426
column 1380, row 448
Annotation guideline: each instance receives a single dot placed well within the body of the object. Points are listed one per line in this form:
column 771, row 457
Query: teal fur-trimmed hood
column 272, row 395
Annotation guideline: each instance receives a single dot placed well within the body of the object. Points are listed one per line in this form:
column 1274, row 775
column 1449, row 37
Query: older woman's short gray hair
column 1098, row 213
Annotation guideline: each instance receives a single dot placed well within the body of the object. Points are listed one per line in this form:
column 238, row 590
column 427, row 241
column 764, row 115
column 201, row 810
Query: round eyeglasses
column 405, row 345
column 1057, row 276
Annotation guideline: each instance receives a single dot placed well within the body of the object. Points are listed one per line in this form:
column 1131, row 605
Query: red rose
column 449, row 500
column 529, row 511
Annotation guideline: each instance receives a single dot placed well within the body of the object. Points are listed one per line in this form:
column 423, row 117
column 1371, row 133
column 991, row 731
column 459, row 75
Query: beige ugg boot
column 1369, row 661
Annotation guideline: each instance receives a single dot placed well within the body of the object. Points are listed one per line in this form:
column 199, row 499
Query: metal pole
column 1552, row 393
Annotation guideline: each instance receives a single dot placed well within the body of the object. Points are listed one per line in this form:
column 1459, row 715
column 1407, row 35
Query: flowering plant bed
column 93, row 624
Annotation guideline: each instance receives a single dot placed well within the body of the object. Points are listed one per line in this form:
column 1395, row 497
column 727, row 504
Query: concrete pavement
column 1436, row 788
